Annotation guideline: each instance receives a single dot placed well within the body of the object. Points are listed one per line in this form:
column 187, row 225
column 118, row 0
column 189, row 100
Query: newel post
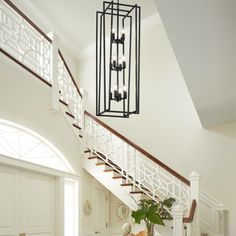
column 195, row 194
column 54, row 73
column 178, row 213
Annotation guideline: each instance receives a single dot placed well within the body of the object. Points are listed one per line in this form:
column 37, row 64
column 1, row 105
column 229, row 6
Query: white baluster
column 54, row 73
column 134, row 169
column 194, row 194
column 127, row 163
column 83, row 105
column 178, row 213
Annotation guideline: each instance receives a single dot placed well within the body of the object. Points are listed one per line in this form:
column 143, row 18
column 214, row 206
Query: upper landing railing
column 25, row 43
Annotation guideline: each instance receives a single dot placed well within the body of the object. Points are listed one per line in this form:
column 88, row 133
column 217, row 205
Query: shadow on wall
column 227, row 130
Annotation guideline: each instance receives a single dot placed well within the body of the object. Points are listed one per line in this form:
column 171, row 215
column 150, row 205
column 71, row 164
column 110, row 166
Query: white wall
column 25, row 100
column 203, row 37
column 168, row 126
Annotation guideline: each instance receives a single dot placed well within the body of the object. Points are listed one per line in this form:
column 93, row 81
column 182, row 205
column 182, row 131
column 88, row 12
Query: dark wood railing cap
column 189, row 219
column 16, row 9
column 25, row 67
column 69, row 72
column 151, row 157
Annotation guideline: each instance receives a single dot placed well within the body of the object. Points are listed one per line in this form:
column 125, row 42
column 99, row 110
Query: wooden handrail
column 69, row 72
column 25, row 67
column 16, row 9
column 151, row 157
column 189, row 219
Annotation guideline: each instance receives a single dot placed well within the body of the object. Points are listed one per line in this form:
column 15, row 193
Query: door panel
column 39, row 205
column 101, row 221
column 27, row 203
column 8, row 202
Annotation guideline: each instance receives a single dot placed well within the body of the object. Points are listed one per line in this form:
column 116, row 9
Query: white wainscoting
column 87, row 232
column 115, row 232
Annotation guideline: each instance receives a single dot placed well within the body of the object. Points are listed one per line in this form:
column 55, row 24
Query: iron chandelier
column 118, row 59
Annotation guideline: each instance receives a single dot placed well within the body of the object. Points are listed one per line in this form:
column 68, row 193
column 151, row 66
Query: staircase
column 124, row 168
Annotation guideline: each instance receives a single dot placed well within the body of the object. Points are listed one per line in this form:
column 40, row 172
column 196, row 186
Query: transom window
column 21, row 143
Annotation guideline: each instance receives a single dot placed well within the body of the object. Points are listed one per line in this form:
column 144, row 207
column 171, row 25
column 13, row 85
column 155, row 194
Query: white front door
column 101, row 212
column 27, row 203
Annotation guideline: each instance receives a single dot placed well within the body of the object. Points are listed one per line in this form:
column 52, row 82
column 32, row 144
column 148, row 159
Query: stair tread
column 111, row 170
column 101, row 164
column 76, row 126
column 136, row 192
column 128, row 184
column 118, row 177
column 69, row 114
column 93, row 157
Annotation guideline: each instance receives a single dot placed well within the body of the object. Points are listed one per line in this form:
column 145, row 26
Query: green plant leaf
column 165, row 215
column 139, row 215
column 153, row 212
column 153, row 208
column 155, row 218
column 168, row 202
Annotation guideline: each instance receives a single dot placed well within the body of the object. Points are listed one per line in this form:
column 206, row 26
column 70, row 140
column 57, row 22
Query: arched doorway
column 33, row 201
column 23, row 144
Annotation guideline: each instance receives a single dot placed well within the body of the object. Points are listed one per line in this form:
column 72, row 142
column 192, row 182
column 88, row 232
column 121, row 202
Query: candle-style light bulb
column 124, row 92
column 113, row 34
column 123, row 62
column 114, row 63
column 123, row 34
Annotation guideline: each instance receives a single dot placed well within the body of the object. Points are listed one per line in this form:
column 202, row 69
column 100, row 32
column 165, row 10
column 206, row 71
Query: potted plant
column 152, row 212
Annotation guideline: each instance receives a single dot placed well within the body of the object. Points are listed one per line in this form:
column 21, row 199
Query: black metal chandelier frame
column 116, row 77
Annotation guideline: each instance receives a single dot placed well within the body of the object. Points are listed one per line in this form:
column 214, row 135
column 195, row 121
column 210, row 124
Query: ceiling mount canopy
column 118, row 59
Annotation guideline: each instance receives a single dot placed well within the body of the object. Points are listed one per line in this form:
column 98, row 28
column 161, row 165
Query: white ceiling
column 203, row 36
column 75, row 19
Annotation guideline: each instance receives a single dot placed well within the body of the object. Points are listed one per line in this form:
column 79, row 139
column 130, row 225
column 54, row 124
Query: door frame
column 60, row 179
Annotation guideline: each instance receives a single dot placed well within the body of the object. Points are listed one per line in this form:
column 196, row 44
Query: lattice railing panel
column 24, row 43
column 68, row 92
column 154, row 180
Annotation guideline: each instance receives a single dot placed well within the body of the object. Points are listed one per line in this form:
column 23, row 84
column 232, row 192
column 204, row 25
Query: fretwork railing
column 69, row 91
column 138, row 167
column 24, row 41
column 26, row 44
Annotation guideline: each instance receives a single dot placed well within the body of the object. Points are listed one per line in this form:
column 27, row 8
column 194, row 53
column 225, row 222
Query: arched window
column 21, row 143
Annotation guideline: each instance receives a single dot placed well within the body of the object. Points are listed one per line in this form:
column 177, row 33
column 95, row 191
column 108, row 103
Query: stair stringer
column 113, row 185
